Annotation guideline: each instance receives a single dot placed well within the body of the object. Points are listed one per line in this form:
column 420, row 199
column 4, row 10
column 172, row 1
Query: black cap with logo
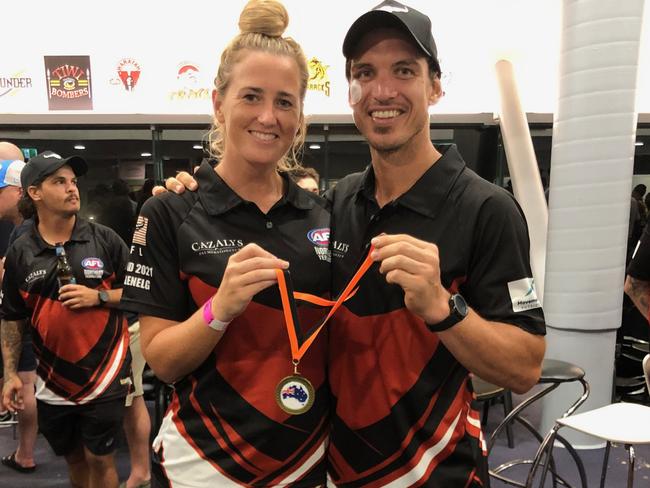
column 48, row 162
column 391, row 13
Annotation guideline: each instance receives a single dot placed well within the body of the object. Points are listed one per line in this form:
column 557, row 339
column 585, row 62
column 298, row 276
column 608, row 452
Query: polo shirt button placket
column 269, row 224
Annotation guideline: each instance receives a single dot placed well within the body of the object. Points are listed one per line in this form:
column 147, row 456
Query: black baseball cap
column 48, row 162
column 391, row 13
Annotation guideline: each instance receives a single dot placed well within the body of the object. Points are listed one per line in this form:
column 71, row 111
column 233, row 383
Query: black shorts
column 94, row 425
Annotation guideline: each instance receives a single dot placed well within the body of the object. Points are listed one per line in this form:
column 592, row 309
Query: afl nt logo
column 319, row 237
column 92, row 263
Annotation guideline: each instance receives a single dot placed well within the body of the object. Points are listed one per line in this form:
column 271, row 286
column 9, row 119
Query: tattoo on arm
column 12, row 339
column 639, row 292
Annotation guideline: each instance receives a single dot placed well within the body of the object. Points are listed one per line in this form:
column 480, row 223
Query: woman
column 203, row 279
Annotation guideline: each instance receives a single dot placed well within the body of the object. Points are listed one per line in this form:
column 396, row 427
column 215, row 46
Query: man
column 81, row 342
column 22, row 459
column 457, row 248
column 637, row 281
column 306, row 178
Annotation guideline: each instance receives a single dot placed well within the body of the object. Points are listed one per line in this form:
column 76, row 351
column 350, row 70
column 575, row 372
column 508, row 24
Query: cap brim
column 375, row 19
column 78, row 165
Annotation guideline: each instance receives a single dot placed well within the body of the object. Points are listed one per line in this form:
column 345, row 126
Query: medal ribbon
column 299, row 342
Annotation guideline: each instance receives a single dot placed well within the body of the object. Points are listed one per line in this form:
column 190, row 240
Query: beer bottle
column 64, row 275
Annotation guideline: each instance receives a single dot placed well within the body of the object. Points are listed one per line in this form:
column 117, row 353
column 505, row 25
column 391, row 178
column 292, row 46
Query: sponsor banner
column 68, row 82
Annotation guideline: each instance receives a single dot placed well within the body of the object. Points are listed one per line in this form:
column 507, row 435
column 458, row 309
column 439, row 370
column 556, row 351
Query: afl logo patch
column 319, row 237
column 92, row 263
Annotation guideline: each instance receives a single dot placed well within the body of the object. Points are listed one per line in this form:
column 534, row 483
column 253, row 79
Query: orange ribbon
column 299, row 344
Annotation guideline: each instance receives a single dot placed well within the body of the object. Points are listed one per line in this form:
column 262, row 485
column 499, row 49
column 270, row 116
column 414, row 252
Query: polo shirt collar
column 429, row 192
column 81, row 232
column 218, row 198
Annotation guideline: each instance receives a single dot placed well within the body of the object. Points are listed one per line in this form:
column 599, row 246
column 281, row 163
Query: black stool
column 554, row 373
column 486, row 393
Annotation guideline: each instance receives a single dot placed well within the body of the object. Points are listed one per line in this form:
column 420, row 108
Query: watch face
column 460, row 305
column 103, row 296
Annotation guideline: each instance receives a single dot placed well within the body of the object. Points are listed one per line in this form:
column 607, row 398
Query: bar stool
column 618, row 423
column 487, row 392
column 554, row 373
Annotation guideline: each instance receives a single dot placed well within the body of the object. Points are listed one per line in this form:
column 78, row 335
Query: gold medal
column 295, row 394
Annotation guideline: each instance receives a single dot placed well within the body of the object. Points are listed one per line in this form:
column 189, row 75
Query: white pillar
column 592, row 160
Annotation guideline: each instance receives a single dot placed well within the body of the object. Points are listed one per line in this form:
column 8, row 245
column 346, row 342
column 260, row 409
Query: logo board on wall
column 68, row 82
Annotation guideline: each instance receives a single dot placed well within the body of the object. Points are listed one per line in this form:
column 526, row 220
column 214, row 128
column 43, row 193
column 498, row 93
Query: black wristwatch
column 103, row 297
column 458, row 310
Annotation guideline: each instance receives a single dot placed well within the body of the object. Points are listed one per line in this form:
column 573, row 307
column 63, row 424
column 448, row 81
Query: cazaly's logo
column 318, row 78
column 340, row 249
column 219, row 246
column 35, row 275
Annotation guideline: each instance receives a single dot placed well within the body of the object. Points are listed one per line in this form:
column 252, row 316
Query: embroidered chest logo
column 93, row 268
column 219, row 246
column 35, row 275
column 320, row 238
column 340, row 249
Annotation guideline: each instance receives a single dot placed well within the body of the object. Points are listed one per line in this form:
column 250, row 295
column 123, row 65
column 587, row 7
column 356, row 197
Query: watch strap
column 454, row 317
column 445, row 324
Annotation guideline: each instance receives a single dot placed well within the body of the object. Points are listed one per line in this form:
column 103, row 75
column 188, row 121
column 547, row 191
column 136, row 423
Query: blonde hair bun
column 268, row 17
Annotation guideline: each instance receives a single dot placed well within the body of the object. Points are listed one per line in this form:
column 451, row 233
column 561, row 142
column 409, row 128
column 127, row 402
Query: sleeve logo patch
column 523, row 295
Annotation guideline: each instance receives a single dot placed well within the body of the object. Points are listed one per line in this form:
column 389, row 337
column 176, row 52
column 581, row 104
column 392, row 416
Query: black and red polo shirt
column 224, row 427
column 83, row 355
column 403, row 412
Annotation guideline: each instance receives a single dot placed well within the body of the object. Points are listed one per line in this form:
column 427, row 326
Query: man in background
column 80, row 337
column 22, row 459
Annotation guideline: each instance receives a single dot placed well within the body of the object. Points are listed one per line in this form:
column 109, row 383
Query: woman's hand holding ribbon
column 248, row 272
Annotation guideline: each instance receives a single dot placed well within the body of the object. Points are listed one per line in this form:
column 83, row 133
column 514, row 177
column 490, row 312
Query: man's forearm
column 500, row 353
column 11, row 336
column 639, row 291
column 114, row 297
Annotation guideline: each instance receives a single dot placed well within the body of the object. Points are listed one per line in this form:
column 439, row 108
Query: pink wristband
column 210, row 321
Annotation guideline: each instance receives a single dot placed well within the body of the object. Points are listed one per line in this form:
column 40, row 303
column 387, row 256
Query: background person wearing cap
column 80, row 340
column 22, row 458
column 458, row 249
